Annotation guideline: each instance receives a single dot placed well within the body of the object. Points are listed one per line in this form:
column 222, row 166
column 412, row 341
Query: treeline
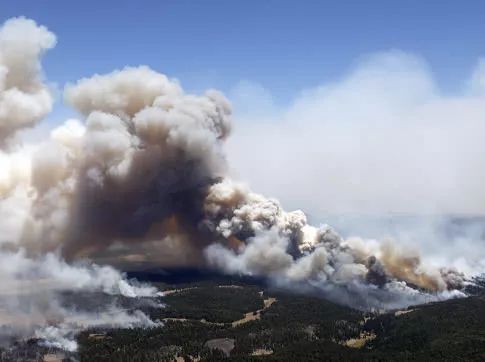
column 212, row 303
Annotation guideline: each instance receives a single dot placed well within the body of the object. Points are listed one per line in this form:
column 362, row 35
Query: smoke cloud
column 264, row 240
column 142, row 180
column 381, row 139
column 36, row 189
column 32, row 303
column 24, row 98
column 380, row 152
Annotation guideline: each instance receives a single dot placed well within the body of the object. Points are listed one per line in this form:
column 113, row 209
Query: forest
column 295, row 327
column 198, row 315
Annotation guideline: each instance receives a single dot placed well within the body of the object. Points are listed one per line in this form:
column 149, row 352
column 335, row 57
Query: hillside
column 293, row 327
column 224, row 318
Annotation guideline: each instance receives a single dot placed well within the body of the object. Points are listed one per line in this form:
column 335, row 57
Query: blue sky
column 290, row 47
column 284, row 45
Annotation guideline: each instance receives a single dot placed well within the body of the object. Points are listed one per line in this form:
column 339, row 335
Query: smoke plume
column 141, row 180
column 24, row 98
column 36, row 191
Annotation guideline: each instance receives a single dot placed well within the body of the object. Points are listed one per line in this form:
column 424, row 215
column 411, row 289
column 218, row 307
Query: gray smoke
column 31, row 298
column 33, row 214
column 264, row 240
column 142, row 180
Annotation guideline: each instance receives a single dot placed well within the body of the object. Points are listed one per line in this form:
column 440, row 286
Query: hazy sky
column 360, row 106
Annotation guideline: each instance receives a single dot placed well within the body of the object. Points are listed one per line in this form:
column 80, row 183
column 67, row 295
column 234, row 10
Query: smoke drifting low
column 31, row 298
column 142, row 180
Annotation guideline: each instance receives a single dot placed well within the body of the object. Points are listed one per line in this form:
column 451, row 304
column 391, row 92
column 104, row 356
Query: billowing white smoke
column 31, row 292
column 24, row 99
column 143, row 178
column 31, row 283
column 62, row 335
column 53, row 274
column 143, row 142
column 264, row 240
column 378, row 151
